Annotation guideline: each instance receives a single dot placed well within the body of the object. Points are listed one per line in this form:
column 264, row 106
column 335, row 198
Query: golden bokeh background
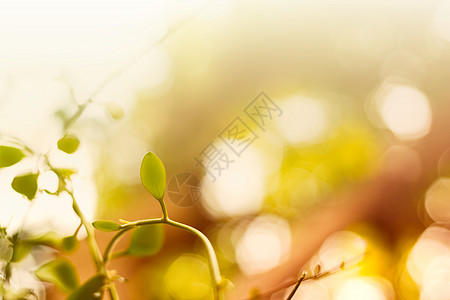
column 351, row 163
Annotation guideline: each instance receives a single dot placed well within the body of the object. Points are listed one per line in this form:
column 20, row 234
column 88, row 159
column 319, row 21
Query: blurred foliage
column 346, row 57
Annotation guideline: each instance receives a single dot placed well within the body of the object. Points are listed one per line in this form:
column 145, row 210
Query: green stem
column 69, row 123
column 95, row 251
column 96, row 254
column 113, row 291
column 211, row 254
column 212, row 259
column 164, row 209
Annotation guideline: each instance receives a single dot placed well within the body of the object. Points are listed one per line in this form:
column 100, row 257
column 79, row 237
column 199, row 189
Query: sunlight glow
column 51, row 47
column 188, row 278
column 312, row 290
column 47, row 212
column 240, row 189
column 339, row 247
column 437, row 200
column 441, row 20
column 303, row 120
column 429, row 263
column 360, row 288
column 431, row 249
column 438, row 274
column 405, row 111
column 93, row 30
column 437, row 291
column 264, row 244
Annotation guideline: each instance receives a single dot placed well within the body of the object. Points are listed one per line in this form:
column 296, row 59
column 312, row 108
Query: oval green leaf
column 105, row 225
column 90, row 290
column 60, row 272
column 146, row 240
column 10, row 156
column 68, row 144
column 69, row 244
column 26, row 185
column 153, row 175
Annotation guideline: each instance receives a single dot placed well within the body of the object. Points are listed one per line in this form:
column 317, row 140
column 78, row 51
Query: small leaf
column 21, row 250
column 6, row 248
column 146, row 240
column 69, row 244
column 105, row 225
column 153, row 175
column 60, row 272
column 115, row 110
column 68, row 144
column 10, row 156
column 65, row 173
column 49, row 239
column 26, row 185
column 90, row 290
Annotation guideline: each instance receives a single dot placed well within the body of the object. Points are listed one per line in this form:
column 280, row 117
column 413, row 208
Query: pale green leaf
column 90, row 290
column 60, row 272
column 65, row 173
column 68, row 144
column 69, row 244
column 153, row 175
column 26, row 185
column 105, row 225
column 146, row 240
column 10, row 156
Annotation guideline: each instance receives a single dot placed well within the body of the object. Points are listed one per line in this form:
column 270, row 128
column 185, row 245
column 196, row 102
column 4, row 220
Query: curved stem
column 212, row 259
column 113, row 291
column 69, row 123
column 211, row 254
column 130, row 225
column 112, row 243
column 95, row 251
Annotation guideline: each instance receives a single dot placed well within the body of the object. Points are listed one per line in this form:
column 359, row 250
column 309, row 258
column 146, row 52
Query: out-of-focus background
column 322, row 127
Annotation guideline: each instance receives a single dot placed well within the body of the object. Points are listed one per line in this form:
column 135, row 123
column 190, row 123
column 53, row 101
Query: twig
column 211, row 256
column 299, row 281
column 351, row 262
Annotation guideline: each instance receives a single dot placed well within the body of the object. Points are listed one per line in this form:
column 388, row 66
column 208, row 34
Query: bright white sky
column 47, row 46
